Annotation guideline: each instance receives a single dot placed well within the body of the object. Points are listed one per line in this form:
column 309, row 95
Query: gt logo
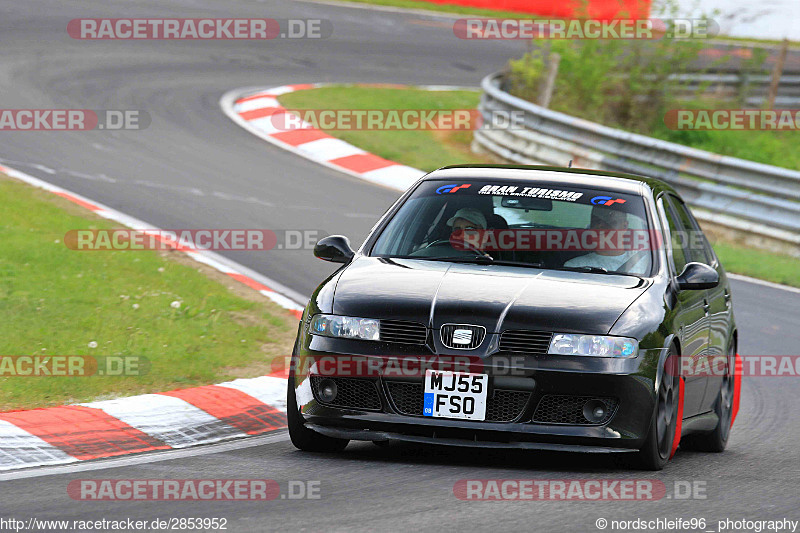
column 445, row 189
column 606, row 200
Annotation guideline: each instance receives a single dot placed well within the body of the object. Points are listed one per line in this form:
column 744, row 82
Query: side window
column 696, row 242
column 679, row 258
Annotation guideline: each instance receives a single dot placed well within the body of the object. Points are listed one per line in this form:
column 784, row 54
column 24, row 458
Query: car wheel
column 302, row 437
column 716, row 440
column 657, row 448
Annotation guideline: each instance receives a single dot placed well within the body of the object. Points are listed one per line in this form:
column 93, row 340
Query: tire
column 715, row 441
column 302, row 437
column 657, row 448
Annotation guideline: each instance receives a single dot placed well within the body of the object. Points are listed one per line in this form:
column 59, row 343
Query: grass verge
column 428, row 151
column 423, row 149
column 56, row 301
column 759, row 264
column 769, row 147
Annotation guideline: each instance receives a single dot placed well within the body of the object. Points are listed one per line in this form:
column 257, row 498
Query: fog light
column 327, row 390
column 594, row 411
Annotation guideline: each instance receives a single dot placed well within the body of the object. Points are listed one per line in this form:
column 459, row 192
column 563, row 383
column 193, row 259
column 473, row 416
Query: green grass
column 777, row 148
column 429, row 151
column 426, row 150
column 759, row 264
column 56, row 301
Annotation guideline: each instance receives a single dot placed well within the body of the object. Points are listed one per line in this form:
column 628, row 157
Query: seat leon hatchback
column 522, row 307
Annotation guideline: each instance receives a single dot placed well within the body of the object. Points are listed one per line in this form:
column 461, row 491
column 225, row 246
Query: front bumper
column 383, row 436
column 629, row 382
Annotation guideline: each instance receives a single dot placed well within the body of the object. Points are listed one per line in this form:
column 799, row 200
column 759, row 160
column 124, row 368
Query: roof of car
column 617, row 181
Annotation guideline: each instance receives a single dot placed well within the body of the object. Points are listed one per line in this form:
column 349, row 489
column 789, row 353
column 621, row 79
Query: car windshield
column 535, row 224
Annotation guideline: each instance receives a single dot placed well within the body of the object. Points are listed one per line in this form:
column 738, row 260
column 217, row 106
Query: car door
column 691, row 310
column 719, row 305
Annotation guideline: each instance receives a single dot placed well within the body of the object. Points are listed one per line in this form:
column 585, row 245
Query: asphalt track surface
column 194, row 168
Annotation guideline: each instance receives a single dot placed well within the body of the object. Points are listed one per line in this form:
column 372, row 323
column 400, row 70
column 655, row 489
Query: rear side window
column 697, row 245
column 676, row 242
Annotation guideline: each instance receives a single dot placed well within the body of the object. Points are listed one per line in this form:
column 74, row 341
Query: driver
column 467, row 218
column 605, row 219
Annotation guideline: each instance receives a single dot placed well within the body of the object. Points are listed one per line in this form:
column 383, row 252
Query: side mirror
column 696, row 276
column 335, row 249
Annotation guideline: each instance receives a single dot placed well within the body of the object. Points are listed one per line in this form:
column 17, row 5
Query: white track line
column 764, row 283
column 150, row 457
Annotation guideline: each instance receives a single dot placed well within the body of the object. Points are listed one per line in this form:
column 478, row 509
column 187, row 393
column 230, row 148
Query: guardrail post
column 777, row 72
column 549, row 85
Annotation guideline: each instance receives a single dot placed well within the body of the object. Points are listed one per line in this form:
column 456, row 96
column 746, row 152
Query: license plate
column 455, row 395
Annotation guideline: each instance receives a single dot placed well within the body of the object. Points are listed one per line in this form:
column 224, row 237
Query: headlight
column 593, row 345
column 346, row 327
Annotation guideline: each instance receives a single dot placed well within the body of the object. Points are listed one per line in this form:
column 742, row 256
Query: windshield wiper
column 597, row 270
column 591, row 269
column 482, row 259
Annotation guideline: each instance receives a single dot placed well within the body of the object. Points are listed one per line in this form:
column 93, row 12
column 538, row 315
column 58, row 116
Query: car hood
column 496, row 297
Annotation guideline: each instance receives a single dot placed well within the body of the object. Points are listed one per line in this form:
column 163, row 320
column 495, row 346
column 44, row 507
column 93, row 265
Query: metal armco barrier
column 734, row 193
column 728, row 85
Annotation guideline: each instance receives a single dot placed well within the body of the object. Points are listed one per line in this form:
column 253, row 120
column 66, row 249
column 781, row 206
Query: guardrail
column 759, row 200
column 753, row 88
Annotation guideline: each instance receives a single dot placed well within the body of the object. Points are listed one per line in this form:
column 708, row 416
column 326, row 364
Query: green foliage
column 620, row 83
column 626, row 84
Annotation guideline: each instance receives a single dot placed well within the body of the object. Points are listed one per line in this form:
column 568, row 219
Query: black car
column 521, row 307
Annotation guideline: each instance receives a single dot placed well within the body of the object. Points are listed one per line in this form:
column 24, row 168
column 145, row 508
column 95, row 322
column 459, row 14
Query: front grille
column 401, row 332
column 451, row 333
column 503, row 406
column 354, row 393
column 524, row 341
column 506, row 405
column 561, row 409
column 407, row 397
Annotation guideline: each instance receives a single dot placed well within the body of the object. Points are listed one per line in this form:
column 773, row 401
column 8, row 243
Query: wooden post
column 777, row 72
column 547, row 88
